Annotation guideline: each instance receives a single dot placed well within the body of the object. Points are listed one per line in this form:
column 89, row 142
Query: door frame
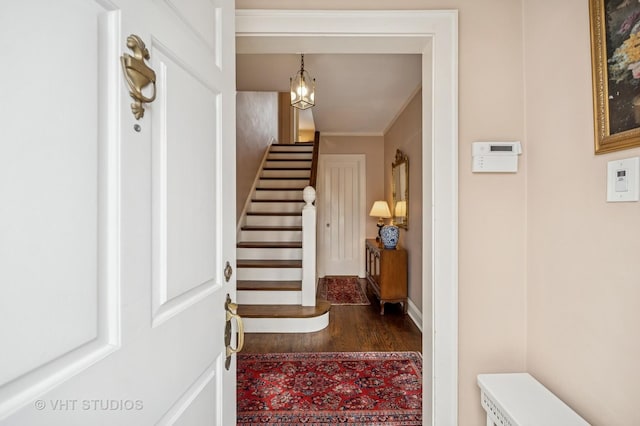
column 434, row 35
column 362, row 165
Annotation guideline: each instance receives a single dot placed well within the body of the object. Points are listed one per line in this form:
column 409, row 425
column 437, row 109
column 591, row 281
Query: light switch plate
column 623, row 180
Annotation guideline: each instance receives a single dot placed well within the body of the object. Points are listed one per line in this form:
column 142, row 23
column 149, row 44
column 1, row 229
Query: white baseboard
column 415, row 314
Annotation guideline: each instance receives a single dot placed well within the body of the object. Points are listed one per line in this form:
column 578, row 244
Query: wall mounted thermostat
column 623, row 180
column 495, row 157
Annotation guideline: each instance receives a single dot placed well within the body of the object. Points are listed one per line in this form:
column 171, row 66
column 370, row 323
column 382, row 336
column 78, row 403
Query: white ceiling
column 355, row 93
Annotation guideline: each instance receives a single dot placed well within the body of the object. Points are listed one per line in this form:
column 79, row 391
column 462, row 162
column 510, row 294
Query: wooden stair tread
column 280, row 189
column 286, row 168
column 289, row 159
column 293, row 151
column 270, row 244
column 268, row 263
column 284, row 178
column 274, row 213
column 270, row 285
column 284, row 311
column 277, row 201
column 271, row 228
column 293, row 144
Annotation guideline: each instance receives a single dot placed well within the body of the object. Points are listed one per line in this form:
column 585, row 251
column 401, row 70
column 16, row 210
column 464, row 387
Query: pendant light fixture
column 303, row 88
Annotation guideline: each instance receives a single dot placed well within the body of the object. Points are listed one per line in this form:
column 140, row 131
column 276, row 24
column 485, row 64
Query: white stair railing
column 309, row 247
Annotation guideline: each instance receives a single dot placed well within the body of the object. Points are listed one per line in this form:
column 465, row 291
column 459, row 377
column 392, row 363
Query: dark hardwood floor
column 351, row 329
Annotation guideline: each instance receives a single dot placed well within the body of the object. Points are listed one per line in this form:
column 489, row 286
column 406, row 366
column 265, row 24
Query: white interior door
column 342, row 191
column 113, row 237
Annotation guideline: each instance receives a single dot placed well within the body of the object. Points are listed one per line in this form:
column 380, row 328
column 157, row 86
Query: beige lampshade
column 380, row 209
column 401, row 209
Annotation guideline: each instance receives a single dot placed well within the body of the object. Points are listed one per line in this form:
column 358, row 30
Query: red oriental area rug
column 354, row 388
column 342, row 291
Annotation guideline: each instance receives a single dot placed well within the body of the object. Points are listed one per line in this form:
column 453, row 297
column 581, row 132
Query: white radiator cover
column 517, row 399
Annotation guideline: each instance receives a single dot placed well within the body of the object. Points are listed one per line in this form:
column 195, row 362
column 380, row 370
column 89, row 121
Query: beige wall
column 306, row 135
column 285, row 118
column 492, row 314
column 256, row 126
column 583, row 274
column 548, row 270
column 406, row 134
column 373, row 149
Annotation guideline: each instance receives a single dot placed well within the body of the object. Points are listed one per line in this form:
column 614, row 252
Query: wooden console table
column 386, row 271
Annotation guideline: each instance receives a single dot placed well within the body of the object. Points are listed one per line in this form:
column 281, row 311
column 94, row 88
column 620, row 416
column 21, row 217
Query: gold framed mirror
column 400, row 180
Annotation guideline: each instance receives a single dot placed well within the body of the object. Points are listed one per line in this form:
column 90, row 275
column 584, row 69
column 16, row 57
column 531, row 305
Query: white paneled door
column 115, row 232
column 341, row 197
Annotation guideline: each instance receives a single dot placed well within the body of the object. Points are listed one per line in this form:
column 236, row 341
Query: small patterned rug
column 342, row 291
column 354, row 388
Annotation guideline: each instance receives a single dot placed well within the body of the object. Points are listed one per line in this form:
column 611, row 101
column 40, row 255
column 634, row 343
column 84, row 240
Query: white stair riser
column 283, row 183
column 269, row 253
column 286, row 173
column 274, row 220
column 285, row 325
column 270, row 235
column 269, row 274
column 279, row 195
column 301, row 148
column 257, row 297
column 287, row 164
column 276, row 207
column 289, row 156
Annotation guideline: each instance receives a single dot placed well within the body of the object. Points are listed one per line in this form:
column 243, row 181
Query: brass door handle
column 138, row 74
column 228, row 270
column 231, row 310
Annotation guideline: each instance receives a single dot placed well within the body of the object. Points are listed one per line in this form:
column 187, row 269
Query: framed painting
column 615, row 57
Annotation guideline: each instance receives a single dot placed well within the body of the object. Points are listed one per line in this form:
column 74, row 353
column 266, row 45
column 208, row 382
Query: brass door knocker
column 138, row 74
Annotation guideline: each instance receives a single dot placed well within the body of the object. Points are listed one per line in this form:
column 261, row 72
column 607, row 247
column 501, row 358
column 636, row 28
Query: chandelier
column 303, row 88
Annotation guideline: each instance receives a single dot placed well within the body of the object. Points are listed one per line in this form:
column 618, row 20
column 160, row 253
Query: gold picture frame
column 400, row 187
column 615, row 62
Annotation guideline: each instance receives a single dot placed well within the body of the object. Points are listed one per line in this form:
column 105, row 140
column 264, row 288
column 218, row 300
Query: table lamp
column 381, row 210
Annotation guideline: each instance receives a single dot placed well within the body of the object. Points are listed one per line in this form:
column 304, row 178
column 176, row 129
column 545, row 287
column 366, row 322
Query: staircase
column 274, row 293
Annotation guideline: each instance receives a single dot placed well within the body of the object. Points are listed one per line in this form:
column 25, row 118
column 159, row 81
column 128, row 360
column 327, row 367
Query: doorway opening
column 433, row 34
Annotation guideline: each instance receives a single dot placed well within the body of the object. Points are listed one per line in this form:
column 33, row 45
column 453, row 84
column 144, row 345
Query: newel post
column 309, row 247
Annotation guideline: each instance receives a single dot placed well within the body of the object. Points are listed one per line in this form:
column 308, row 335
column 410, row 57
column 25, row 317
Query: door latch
column 231, row 310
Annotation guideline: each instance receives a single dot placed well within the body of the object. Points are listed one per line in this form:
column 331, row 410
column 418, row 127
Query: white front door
column 115, row 232
column 341, row 196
